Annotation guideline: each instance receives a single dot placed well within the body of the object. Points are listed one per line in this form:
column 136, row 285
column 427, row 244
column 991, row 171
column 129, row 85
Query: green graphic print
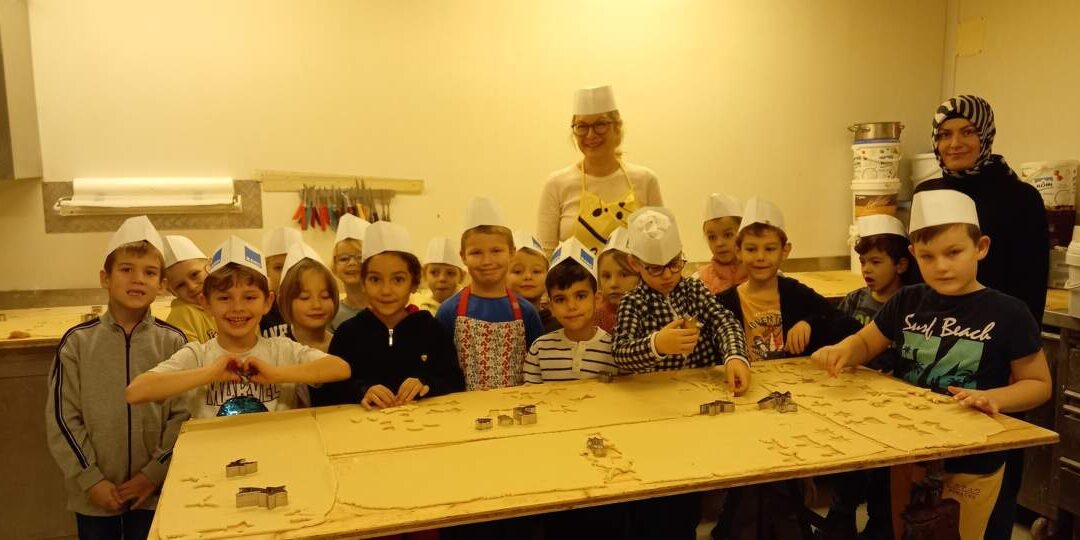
column 928, row 368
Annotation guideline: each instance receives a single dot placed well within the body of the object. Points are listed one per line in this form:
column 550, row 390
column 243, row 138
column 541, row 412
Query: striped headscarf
column 976, row 110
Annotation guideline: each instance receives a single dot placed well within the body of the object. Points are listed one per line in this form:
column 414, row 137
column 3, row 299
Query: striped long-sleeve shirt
column 554, row 357
column 644, row 311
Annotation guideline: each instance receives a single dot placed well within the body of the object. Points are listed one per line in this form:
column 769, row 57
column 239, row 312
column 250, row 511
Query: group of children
column 254, row 330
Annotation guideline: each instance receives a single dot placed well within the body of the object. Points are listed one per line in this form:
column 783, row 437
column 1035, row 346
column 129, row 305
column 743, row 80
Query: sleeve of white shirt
column 549, row 215
column 182, row 360
column 297, row 353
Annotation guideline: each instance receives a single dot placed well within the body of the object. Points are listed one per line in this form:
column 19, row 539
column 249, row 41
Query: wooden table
column 832, row 284
column 661, row 447
column 47, row 325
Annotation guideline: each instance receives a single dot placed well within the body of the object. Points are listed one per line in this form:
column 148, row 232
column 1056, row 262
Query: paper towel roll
column 151, row 192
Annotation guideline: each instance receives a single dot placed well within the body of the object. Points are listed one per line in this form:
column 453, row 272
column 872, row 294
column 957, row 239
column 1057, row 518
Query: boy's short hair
column 413, row 264
column 135, row 249
column 926, row 234
column 760, row 229
column 563, row 275
column 231, row 275
column 290, row 286
column 736, row 219
column 499, row 230
column 621, row 258
column 532, row 252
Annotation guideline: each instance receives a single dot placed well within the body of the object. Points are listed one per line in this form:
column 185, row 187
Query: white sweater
column 561, row 197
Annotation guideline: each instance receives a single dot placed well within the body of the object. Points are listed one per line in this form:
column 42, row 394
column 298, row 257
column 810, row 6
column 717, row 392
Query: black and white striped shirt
column 554, row 357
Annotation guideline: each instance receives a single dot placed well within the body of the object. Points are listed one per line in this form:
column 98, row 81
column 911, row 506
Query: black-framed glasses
column 346, row 259
column 657, row 270
column 581, row 129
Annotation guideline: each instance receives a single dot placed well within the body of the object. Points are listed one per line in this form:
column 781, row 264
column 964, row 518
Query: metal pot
column 876, row 131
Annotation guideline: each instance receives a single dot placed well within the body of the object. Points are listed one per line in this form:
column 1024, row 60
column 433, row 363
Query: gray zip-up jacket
column 93, row 433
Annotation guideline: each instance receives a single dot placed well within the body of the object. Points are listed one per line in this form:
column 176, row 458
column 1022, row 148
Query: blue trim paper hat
column 236, row 250
column 618, row 241
column 572, row 249
column 525, row 240
column 298, row 252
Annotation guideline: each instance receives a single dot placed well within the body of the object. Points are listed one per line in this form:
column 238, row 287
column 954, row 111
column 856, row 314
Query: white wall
column 743, row 96
column 1027, row 70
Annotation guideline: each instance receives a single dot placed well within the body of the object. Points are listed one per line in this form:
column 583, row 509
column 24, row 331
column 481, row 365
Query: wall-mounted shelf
column 284, row 181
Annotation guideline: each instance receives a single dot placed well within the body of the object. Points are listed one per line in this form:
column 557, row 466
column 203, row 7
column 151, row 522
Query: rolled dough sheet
column 560, row 407
column 459, row 473
column 885, row 409
column 200, row 502
column 747, row 443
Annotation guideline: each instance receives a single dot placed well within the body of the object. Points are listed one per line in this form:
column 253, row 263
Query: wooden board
column 832, row 284
column 47, row 325
column 452, row 474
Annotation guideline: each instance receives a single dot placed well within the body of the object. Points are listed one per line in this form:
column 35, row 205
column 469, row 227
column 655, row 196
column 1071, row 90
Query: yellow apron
column 597, row 219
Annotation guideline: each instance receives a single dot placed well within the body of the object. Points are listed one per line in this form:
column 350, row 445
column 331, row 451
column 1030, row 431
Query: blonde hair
column 291, row 287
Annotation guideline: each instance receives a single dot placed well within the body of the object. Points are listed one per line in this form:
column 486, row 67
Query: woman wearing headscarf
column 591, row 198
column 1012, row 214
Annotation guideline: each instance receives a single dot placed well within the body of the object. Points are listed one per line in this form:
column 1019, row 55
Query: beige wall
column 743, row 96
column 1028, row 71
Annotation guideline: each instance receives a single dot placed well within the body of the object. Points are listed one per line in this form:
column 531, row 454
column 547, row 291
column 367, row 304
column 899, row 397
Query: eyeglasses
column 657, row 270
column 346, row 259
column 581, row 129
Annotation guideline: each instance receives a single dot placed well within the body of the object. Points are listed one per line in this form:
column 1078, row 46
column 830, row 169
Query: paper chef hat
column 879, row 224
column 179, row 249
column 350, row 226
column 600, row 99
column 759, row 210
column 277, row 241
column 384, row 236
column 299, row 251
column 135, row 229
column 941, row 206
column 718, row 205
column 654, row 235
column 619, row 241
column 483, row 211
column 440, row 250
column 236, row 250
column 572, row 249
column 526, row 240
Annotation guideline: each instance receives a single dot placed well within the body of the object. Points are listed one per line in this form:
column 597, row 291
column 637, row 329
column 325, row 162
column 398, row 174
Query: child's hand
column 378, row 397
column 674, row 339
column 831, row 358
column 976, row 399
column 260, row 371
column 138, row 487
column 797, row 338
column 226, row 369
column 105, row 495
column 411, row 389
column 738, row 376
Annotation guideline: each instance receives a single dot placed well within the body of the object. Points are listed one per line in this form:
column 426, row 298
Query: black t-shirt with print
column 966, row 341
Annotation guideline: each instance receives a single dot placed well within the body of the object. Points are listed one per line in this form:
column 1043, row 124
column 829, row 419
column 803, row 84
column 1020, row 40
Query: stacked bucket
column 875, row 184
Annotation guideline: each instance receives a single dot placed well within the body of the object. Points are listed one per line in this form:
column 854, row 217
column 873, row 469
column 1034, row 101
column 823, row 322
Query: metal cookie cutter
column 241, row 467
column 597, row 446
column 484, row 422
column 772, row 400
column 714, row 408
column 606, row 377
column 787, row 406
column 505, row 420
column 522, row 410
column 269, row 497
column 528, row 417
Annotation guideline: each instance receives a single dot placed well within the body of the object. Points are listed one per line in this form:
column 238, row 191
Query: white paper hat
column 384, row 236
column 572, row 249
column 236, row 250
column 759, row 210
column 441, row 250
column 483, row 211
column 718, row 205
column 179, row 249
column 277, row 241
column 600, row 99
column 879, row 224
column 135, row 229
column 526, row 240
column 298, row 252
column 654, row 235
column 941, row 206
column 619, row 241
column 350, row 226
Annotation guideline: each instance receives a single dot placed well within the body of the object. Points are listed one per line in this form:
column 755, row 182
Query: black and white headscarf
column 976, row 110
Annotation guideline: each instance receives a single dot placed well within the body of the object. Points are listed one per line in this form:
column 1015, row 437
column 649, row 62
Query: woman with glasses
column 594, row 196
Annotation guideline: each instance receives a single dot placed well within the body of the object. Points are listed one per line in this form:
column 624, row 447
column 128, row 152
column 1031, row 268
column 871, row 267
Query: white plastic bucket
column 877, row 160
column 1072, row 260
column 871, row 197
column 1055, row 180
column 853, row 236
column 924, row 167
